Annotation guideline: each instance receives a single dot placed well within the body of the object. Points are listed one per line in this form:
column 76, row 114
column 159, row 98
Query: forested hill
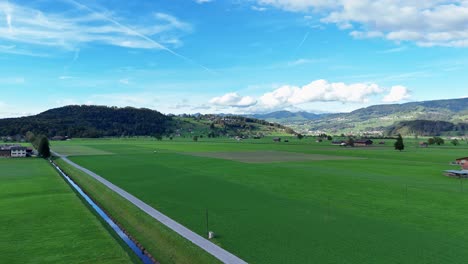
column 88, row 121
column 102, row 121
column 427, row 128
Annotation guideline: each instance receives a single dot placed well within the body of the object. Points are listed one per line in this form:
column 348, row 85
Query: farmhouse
column 363, row 142
column 463, row 162
column 14, row 151
column 463, row 173
column 277, row 139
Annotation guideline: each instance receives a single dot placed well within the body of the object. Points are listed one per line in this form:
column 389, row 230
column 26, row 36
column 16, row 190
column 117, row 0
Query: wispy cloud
column 203, row 1
column 393, row 50
column 258, row 8
column 33, row 26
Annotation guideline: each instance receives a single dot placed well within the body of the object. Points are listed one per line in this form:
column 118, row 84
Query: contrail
column 134, row 32
column 302, row 42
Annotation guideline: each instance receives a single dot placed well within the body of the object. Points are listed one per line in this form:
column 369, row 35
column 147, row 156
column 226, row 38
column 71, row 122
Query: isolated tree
column 44, row 147
column 350, row 142
column 195, row 138
column 399, row 143
column 300, row 136
column 431, row 141
column 329, row 137
column 455, row 142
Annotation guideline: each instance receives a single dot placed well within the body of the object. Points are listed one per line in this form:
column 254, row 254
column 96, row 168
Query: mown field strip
column 218, row 252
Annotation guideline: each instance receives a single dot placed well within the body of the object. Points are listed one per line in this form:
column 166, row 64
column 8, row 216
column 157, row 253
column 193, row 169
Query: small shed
column 277, row 139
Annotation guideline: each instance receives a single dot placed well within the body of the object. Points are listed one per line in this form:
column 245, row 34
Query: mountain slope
column 375, row 119
column 427, row 128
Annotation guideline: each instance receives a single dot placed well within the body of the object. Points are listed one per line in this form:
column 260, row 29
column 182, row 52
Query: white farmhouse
column 18, row 152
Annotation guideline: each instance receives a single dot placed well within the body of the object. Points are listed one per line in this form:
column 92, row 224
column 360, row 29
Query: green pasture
column 381, row 206
column 43, row 221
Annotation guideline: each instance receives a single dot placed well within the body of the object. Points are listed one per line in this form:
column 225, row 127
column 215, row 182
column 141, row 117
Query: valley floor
column 346, row 205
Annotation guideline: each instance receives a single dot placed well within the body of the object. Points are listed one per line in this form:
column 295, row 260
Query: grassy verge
column 164, row 244
column 43, row 221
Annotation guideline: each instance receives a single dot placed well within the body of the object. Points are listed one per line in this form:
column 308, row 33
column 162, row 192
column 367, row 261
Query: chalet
column 277, row 139
column 363, row 142
column 463, row 162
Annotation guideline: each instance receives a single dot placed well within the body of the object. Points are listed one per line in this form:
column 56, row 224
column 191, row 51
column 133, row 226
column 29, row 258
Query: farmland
column 319, row 203
column 44, row 221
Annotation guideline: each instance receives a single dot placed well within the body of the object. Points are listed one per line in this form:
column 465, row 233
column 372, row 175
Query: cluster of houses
column 15, row 151
column 356, row 143
column 463, row 173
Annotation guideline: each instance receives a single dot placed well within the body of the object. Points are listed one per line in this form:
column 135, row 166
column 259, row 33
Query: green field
column 44, row 221
column 321, row 204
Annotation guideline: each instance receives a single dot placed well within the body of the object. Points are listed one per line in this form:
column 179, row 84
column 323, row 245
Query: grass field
column 44, row 221
column 381, row 206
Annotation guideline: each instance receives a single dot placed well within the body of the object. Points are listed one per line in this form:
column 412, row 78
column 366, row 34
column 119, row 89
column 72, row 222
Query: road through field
column 218, row 252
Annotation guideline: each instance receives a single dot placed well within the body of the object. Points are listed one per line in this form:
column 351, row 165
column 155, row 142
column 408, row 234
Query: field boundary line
column 213, row 249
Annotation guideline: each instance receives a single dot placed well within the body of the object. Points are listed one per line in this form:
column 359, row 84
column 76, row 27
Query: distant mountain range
column 281, row 116
column 378, row 118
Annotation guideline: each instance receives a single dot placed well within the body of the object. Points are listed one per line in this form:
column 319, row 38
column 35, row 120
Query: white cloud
column 233, row 100
column 203, row 1
column 427, row 23
column 319, row 91
column 30, row 26
column 291, row 96
column 397, row 93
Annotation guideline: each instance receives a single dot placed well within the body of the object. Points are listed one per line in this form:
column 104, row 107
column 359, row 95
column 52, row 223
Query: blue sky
column 231, row 56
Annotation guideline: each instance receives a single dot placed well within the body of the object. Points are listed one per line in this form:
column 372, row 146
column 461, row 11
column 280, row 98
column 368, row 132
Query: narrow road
column 196, row 239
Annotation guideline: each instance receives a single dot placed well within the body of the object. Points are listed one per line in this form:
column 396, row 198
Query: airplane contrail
column 303, row 40
column 134, row 32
